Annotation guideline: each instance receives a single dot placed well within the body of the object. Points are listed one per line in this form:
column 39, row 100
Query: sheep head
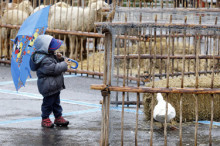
column 7, row 6
column 62, row 4
column 26, row 6
column 57, row 7
column 39, row 8
column 11, row 6
column 94, row 1
column 98, row 5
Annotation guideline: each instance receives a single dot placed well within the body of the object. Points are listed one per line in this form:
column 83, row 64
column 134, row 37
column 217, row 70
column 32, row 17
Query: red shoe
column 47, row 123
column 60, row 121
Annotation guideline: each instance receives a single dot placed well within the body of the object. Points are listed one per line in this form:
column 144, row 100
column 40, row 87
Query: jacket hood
column 42, row 43
column 35, row 60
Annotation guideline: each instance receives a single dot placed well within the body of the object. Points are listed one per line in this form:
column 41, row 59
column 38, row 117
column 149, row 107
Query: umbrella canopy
column 23, row 48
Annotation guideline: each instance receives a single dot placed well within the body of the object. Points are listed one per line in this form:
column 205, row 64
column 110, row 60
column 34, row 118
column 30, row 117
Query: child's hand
column 67, row 62
column 69, row 70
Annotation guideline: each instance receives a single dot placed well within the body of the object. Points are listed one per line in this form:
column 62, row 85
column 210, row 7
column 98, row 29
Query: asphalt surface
column 20, row 121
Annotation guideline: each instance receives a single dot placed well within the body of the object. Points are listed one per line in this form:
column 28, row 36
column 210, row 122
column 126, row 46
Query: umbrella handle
column 74, row 61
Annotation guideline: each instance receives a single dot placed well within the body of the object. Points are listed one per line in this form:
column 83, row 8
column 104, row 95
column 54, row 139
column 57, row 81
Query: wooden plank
column 156, row 90
column 148, row 56
column 162, row 25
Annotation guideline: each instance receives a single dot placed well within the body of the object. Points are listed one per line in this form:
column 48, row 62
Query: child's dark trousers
column 51, row 104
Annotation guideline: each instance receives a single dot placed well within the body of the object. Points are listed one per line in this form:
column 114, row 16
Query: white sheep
column 77, row 16
column 26, row 6
column 67, row 19
column 56, row 7
column 62, row 4
column 52, row 8
column 39, row 8
column 93, row 13
column 90, row 14
column 7, row 6
column 14, row 16
column 10, row 15
column 93, row 1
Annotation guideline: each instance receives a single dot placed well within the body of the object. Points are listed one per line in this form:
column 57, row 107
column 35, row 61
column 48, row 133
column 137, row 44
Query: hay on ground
column 188, row 100
column 94, row 59
column 145, row 64
column 161, row 48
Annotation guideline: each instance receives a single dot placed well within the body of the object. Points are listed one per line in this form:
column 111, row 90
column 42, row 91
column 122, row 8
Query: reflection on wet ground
column 20, row 122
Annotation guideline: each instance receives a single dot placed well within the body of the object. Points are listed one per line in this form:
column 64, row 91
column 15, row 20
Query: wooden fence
column 135, row 41
column 81, row 43
column 178, row 48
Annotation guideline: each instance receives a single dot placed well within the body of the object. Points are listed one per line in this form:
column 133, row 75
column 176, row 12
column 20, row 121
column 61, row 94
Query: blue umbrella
column 23, row 48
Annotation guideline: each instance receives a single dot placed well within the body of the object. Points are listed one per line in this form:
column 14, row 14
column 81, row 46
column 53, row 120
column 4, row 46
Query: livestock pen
column 138, row 42
column 178, row 52
column 83, row 42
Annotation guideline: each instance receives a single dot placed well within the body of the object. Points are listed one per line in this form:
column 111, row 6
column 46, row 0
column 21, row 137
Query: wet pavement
column 20, row 121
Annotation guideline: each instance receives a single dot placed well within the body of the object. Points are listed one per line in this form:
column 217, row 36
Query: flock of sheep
column 62, row 16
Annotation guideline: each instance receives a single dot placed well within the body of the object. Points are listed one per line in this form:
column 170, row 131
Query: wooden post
column 138, row 94
column 212, row 85
column 152, row 120
column 168, row 71
column 197, row 82
column 127, row 62
column 150, row 49
column 117, row 63
column 123, row 93
column 161, row 53
column 182, row 81
column 104, row 140
column 153, row 79
column 1, row 49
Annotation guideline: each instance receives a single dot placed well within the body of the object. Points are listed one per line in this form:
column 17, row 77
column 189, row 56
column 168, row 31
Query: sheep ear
column 100, row 5
column 99, row 11
column 99, row 8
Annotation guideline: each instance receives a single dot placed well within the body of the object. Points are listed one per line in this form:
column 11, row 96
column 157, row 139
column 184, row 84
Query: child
column 50, row 81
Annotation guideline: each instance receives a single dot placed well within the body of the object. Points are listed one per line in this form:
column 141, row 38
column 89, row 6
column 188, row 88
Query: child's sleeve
column 50, row 68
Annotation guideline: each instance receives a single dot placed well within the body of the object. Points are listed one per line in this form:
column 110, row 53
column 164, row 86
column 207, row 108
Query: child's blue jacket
column 49, row 68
